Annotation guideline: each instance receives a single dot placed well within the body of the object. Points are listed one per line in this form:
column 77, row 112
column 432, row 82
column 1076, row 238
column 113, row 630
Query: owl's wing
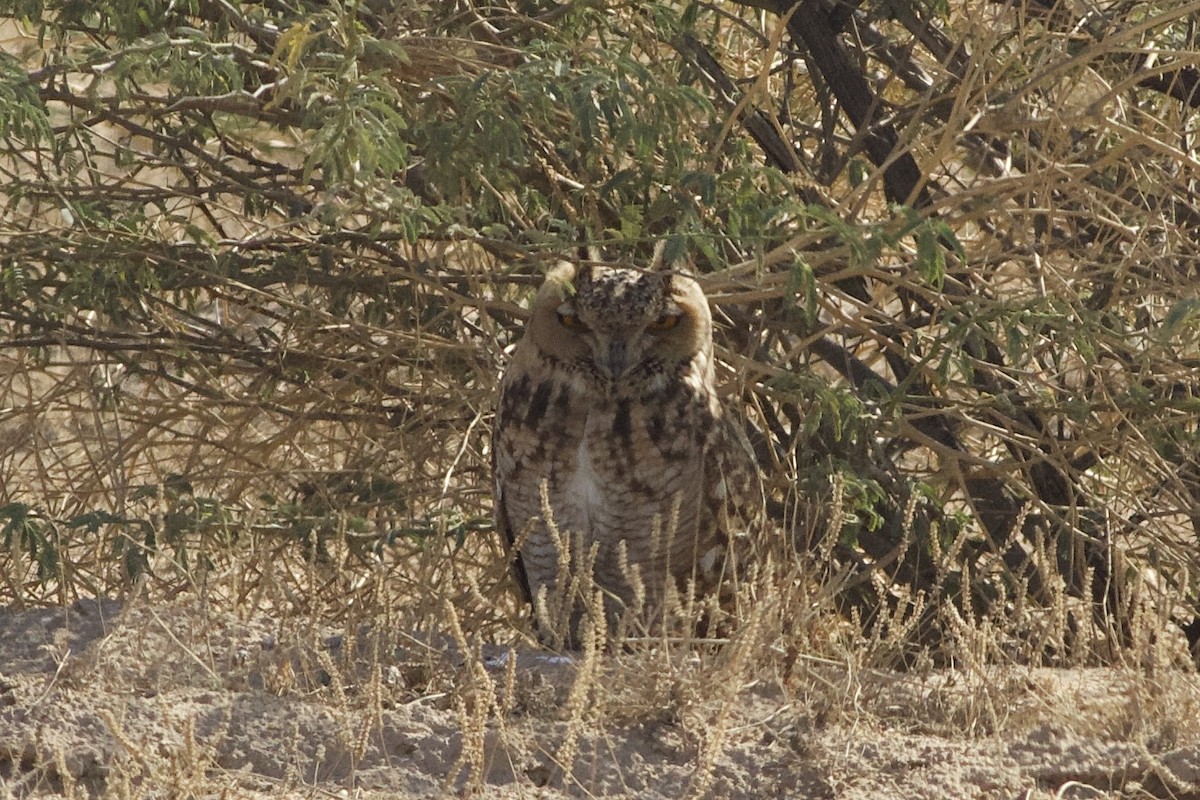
column 734, row 490
column 503, row 521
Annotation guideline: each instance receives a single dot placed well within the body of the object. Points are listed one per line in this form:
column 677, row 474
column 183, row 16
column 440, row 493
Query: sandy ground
column 180, row 700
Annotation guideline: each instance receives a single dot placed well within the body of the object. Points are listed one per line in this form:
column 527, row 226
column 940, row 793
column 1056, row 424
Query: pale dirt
column 180, row 700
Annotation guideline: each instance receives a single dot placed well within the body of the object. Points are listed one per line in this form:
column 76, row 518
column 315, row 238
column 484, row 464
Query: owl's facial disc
column 616, row 321
column 617, row 352
column 610, row 349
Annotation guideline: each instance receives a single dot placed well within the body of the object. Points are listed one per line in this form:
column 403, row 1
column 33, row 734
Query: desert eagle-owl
column 615, row 463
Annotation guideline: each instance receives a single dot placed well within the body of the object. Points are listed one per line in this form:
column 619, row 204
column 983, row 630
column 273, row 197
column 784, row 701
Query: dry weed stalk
column 586, row 676
column 179, row 765
column 64, row 773
column 479, row 705
column 131, row 748
column 742, row 661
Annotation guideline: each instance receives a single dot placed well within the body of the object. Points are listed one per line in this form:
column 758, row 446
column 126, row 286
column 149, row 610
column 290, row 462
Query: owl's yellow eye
column 569, row 321
column 666, row 322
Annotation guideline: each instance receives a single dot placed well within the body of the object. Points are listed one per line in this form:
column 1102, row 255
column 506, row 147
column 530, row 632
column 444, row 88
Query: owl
column 618, row 473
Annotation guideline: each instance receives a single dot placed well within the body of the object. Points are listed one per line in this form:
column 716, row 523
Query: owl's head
column 614, row 320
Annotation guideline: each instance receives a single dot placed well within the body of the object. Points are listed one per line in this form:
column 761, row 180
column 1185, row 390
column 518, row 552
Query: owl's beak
column 615, row 359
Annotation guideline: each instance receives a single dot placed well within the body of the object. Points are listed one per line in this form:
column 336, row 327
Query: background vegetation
column 259, row 264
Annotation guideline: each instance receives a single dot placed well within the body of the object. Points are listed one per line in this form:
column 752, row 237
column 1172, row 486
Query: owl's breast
column 583, row 486
column 629, row 462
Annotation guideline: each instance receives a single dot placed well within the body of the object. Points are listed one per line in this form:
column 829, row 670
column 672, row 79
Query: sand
column 181, row 699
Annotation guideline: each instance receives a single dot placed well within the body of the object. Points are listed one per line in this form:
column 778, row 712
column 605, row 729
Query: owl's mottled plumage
column 609, row 407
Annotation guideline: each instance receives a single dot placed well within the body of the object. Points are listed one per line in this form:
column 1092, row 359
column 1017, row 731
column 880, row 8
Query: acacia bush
column 260, row 263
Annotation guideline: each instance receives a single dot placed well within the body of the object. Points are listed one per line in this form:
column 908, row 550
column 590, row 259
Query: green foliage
column 25, row 533
column 23, row 117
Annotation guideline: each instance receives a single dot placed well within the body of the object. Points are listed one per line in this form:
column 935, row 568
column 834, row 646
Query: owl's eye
column 666, row 322
column 569, row 321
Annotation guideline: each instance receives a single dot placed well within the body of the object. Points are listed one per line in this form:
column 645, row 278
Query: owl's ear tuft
column 562, row 278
